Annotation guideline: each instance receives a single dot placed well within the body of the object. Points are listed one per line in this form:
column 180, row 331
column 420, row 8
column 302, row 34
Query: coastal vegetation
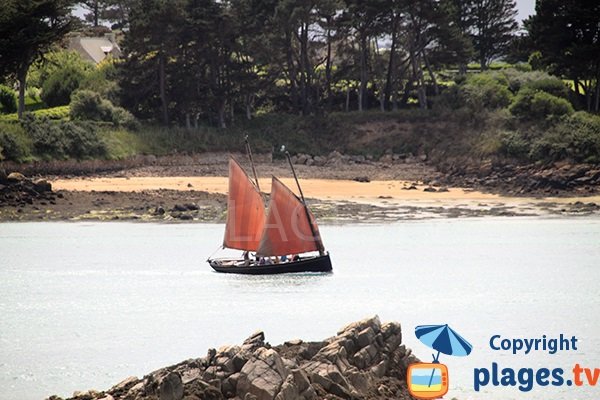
column 361, row 78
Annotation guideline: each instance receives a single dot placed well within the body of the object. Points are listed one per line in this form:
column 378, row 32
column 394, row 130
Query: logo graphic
column 430, row 380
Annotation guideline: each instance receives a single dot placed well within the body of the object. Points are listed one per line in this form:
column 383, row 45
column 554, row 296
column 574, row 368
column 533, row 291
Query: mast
column 317, row 238
column 251, row 162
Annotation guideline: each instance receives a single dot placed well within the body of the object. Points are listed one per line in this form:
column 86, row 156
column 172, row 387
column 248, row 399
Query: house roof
column 95, row 49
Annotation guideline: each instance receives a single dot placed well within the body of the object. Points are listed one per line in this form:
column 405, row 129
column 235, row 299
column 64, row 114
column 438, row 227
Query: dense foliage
column 8, row 100
column 218, row 59
column 566, row 35
column 27, row 29
column 290, row 72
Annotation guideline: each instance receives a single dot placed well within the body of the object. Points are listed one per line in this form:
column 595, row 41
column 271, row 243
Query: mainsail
column 245, row 211
column 288, row 227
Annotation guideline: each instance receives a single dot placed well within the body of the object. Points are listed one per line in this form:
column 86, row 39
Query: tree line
column 187, row 60
column 228, row 58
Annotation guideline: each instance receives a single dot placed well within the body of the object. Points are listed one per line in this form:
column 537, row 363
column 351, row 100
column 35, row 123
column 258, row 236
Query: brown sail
column 245, row 211
column 288, row 228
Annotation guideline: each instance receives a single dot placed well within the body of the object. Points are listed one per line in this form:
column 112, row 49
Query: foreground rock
column 365, row 360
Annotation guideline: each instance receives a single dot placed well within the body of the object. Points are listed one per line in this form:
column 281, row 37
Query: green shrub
column 89, row 105
column 8, row 100
column 531, row 104
column 103, row 80
column 122, row 117
column 54, row 61
column 535, row 60
column 48, row 141
column 513, row 144
column 81, row 140
column 54, row 113
column 551, row 85
column 518, row 79
column 63, row 139
column 57, row 89
column 487, row 90
column 576, row 137
column 15, row 145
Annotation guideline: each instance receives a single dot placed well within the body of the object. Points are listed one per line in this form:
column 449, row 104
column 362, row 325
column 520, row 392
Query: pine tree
column 567, row 34
column 493, row 27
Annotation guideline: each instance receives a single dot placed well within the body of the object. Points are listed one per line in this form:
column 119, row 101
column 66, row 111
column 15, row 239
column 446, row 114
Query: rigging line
column 220, row 247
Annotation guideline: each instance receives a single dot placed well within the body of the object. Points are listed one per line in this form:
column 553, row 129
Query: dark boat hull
column 313, row 264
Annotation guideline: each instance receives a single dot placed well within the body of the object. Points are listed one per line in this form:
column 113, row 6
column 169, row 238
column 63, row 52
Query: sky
column 525, row 8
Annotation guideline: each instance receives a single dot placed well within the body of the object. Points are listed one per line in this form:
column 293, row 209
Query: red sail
column 287, row 230
column 245, row 211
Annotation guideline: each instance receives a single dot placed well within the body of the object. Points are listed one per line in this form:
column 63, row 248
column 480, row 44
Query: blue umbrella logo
column 443, row 339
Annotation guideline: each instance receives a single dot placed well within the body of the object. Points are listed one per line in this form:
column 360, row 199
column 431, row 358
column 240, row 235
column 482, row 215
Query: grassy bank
column 504, row 116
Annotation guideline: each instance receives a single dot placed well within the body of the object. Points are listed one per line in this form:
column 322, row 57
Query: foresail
column 245, row 211
column 287, row 229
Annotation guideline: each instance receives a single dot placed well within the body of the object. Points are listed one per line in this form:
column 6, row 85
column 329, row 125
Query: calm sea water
column 84, row 305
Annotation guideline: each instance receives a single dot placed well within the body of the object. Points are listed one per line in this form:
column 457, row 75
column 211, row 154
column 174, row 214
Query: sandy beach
column 374, row 192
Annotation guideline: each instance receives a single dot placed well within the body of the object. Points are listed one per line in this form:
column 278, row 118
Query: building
column 95, row 49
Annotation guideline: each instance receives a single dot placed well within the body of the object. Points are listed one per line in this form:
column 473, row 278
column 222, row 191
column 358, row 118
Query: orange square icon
column 427, row 380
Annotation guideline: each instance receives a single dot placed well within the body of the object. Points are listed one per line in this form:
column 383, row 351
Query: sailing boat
column 281, row 237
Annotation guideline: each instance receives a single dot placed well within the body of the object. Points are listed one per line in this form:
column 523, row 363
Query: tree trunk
column 291, row 70
column 431, row 74
column 22, row 78
column 391, row 65
column 249, row 107
column 221, row 112
column 96, row 12
column 418, row 77
column 482, row 63
column 305, row 68
column 364, row 54
column 588, row 95
column 328, row 66
column 407, row 89
column 188, row 124
column 347, row 98
column 597, row 100
column 162, row 90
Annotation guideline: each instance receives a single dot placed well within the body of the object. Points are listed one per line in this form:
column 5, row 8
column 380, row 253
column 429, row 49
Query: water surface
column 84, row 305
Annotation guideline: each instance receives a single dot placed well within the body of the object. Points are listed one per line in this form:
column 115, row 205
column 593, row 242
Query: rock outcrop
column 365, row 360
column 16, row 190
column 560, row 177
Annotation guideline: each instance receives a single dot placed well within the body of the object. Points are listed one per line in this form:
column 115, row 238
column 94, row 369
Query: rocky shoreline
column 364, row 360
column 24, row 199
